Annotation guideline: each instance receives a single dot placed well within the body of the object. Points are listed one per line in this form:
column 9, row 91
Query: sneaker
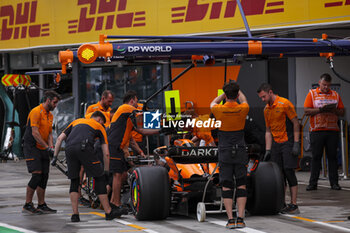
column 311, row 187
column 84, row 202
column 240, row 223
column 123, row 209
column 75, row 218
column 291, row 209
column 29, row 208
column 45, row 209
column 231, row 224
column 115, row 213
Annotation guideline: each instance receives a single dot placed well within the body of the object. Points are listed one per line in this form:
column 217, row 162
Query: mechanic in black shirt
column 80, row 137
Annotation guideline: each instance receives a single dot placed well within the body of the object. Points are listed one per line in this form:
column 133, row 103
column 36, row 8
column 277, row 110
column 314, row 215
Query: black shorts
column 90, row 161
column 281, row 153
column 36, row 159
column 227, row 171
column 117, row 162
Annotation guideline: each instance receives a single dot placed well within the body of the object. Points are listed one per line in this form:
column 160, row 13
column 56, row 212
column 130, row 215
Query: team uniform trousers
column 36, row 159
column 88, row 158
column 232, row 164
column 117, row 163
column 327, row 140
column 281, row 153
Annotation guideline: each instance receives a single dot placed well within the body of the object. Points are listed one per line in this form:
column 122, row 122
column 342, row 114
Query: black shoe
column 335, row 187
column 115, row 213
column 231, row 224
column 123, row 209
column 311, row 187
column 291, row 209
column 46, row 210
column 75, row 218
column 240, row 223
column 29, row 208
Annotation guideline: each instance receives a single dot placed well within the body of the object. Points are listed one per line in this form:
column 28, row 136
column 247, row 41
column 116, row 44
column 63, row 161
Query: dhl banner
column 40, row 23
column 15, row 80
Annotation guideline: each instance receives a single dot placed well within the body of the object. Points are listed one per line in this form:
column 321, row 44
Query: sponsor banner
column 35, row 23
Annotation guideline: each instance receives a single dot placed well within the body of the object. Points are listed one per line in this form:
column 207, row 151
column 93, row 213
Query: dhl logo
column 226, row 9
column 97, row 15
column 19, row 22
column 15, row 80
column 336, row 3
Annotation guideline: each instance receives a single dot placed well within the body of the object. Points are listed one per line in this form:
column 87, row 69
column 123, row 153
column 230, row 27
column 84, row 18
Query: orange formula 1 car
column 184, row 178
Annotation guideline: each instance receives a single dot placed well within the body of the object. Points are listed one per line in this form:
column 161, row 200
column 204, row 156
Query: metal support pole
column 244, row 18
column 343, row 153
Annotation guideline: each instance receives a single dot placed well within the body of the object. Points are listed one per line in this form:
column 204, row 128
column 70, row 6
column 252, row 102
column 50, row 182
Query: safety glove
column 267, row 155
column 296, row 149
column 51, row 151
column 54, row 161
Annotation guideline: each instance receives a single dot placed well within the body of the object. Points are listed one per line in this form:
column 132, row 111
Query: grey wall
column 251, row 76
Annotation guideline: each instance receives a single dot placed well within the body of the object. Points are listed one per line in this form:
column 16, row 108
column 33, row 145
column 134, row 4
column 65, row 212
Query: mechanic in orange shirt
column 136, row 137
column 38, row 148
column 279, row 139
column 104, row 106
column 324, row 105
column 202, row 133
column 119, row 136
column 233, row 157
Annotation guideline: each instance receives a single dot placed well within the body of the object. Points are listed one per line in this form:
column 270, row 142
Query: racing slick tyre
column 201, row 212
column 266, row 196
column 150, row 193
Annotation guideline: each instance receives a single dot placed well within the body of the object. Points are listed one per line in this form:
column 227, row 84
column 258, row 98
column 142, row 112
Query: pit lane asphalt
column 324, row 210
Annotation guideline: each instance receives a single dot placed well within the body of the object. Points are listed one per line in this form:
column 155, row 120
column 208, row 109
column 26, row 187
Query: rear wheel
column 267, row 194
column 150, row 193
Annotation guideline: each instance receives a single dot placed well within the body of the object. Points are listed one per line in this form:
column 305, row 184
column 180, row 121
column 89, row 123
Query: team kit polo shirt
column 98, row 107
column 231, row 135
column 323, row 121
column 276, row 117
column 42, row 119
column 37, row 158
column 232, row 115
column 119, row 136
column 121, row 126
column 84, row 131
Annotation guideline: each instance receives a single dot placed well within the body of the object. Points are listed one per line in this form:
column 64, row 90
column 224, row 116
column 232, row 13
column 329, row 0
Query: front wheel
column 267, row 194
column 150, row 193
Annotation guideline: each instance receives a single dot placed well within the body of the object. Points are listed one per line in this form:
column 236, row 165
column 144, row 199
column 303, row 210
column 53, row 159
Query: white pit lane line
column 134, row 226
column 317, row 222
column 16, row 228
column 223, row 223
